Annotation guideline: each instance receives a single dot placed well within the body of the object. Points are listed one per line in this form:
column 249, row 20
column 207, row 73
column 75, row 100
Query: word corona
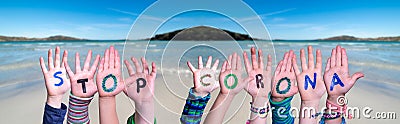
column 83, row 81
column 61, row 80
column 138, row 84
column 103, row 84
column 335, row 81
column 259, row 78
column 279, row 84
column 235, row 81
column 308, row 80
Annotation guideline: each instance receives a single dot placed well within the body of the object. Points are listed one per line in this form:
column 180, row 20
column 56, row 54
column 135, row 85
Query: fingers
column 200, row 62
column 191, row 67
column 269, row 64
column 319, row 60
column 137, row 66
column 344, row 58
column 355, row 77
column 310, row 58
column 333, row 58
column 260, row 59
column 328, row 64
column 229, row 63
column 289, row 61
column 278, row 68
column 153, row 69
column 65, row 58
column 129, row 67
column 223, row 68
column 106, row 59
column 69, row 71
column 50, row 59
column 87, row 61
column 117, row 60
column 77, row 63
column 145, row 66
column 57, row 61
column 112, row 57
column 338, row 55
column 303, row 60
column 101, row 66
column 238, row 63
column 246, row 62
column 254, row 58
column 215, row 66
column 234, row 61
column 209, row 60
column 95, row 63
column 42, row 65
column 284, row 62
column 294, row 63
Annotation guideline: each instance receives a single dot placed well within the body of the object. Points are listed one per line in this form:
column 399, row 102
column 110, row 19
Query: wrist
column 197, row 93
column 333, row 98
column 54, row 101
column 107, row 98
column 277, row 99
column 259, row 101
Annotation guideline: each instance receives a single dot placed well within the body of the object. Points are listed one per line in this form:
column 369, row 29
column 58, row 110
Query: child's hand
column 108, row 79
column 337, row 79
column 140, row 83
column 284, row 84
column 55, row 78
column 230, row 78
column 205, row 80
column 311, row 88
column 261, row 85
column 82, row 82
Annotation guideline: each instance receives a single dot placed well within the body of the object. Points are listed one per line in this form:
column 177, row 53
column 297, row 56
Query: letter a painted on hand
column 335, row 81
column 259, row 78
column 61, row 80
column 83, row 81
column 308, row 80
column 138, row 84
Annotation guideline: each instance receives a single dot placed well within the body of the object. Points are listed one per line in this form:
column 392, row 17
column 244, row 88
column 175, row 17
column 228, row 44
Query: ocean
column 19, row 61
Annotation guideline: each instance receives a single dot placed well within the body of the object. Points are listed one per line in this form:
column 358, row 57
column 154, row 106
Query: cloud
column 137, row 15
column 125, row 19
column 262, row 16
column 294, row 25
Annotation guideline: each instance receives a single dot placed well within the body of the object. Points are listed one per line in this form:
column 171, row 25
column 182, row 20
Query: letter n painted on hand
column 138, row 84
column 259, row 78
column 335, row 81
column 308, row 80
column 83, row 81
column 61, row 80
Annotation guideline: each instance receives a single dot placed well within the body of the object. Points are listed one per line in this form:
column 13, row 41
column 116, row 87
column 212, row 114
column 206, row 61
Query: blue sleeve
column 54, row 115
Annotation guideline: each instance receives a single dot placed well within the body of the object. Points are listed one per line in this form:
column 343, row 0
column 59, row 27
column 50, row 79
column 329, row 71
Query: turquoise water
column 19, row 61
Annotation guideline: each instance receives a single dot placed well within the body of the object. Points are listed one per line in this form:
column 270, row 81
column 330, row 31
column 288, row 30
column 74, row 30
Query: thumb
column 356, row 76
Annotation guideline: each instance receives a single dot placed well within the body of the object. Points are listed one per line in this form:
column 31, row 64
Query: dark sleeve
column 54, row 115
column 194, row 108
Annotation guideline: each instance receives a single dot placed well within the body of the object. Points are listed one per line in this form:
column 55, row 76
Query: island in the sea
column 200, row 33
column 51, row 38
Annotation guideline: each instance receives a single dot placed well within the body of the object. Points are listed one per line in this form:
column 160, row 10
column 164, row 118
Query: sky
column 284, row 19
